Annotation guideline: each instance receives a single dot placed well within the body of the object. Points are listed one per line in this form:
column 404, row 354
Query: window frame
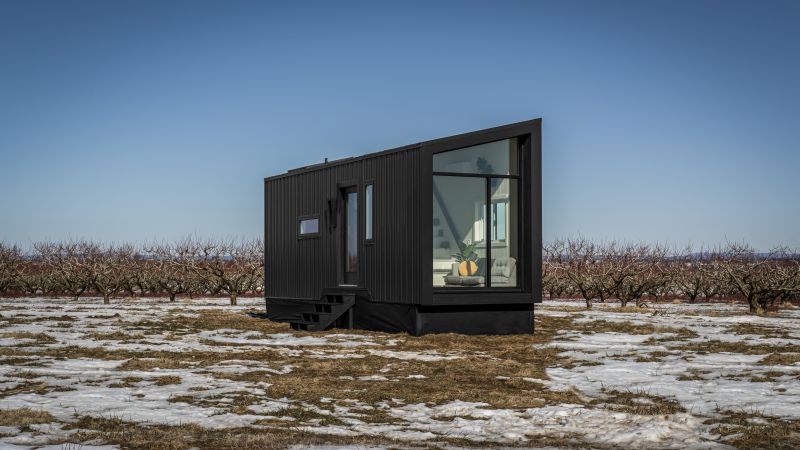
column 301, row 219
column 487, row 287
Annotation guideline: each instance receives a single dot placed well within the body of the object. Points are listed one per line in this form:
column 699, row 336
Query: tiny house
column 438, row 236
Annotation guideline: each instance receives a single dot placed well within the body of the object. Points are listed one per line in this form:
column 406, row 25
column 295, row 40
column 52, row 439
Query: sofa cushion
column 503, row 266
column 456, row 280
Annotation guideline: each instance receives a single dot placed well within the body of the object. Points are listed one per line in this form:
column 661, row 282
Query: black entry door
column 350, row 237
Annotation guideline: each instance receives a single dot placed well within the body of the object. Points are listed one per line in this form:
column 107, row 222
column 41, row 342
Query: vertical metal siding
column 397, row 266
column 389, row 267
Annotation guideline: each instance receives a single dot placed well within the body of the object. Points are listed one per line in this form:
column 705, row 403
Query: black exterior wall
column 395, row 267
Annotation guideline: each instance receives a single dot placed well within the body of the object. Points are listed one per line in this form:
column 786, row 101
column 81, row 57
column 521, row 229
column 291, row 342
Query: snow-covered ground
column 702, row 381
column 148, row 362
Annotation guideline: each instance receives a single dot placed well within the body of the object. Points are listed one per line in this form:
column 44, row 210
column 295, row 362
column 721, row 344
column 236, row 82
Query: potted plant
column 467, row 260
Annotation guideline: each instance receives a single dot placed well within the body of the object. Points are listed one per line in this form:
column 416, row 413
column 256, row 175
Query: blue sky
column 663, row 121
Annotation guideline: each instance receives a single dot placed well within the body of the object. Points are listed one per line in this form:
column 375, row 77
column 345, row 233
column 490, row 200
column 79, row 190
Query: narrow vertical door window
column 352, row 232
column 368, row 212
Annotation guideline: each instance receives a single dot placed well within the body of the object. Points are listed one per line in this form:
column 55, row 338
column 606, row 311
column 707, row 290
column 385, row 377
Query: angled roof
column 328, row 164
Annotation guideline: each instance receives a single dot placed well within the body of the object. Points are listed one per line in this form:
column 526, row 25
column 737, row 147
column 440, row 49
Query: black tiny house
column 439, row 236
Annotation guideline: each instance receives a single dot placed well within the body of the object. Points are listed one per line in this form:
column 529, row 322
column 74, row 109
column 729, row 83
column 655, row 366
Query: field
column 147, row 373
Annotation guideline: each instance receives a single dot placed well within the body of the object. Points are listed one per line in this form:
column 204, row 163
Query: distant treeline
column 191, row 267
column 635, row 272
column 625, row 272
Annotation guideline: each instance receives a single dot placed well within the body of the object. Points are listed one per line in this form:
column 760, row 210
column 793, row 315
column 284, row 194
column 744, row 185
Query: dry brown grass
column 758, row 329
column 26, row 374
column 715, row 346
column 116, row 336
column 639, row 402
column 781, row 359
column 468, row 379
column 767, row 376
column 28, row 319
column 161, row 437
column 166, row 380
column 25, row 361
column 21, row 417
column 38, row 338
column 491, row 369
column 33, row 387
column 694, row 375
column 252, row 376
column 126, row 382
column 626, row 327
column 630, row 309
column 156, row 362
column 269, row 435
column 305, row 415
column 207, row 319
column 655, row 356
column 754, row 430
column 474, row 377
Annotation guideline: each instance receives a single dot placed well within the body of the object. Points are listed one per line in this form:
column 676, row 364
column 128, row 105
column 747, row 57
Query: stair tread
column 338, row 300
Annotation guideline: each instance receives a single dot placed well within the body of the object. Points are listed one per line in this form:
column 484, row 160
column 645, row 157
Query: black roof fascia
column 439, row 141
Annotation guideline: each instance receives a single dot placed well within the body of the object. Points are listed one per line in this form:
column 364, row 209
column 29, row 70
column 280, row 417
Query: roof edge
column 337, row 162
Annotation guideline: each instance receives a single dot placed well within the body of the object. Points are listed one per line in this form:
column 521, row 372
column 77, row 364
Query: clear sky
column 663, row 121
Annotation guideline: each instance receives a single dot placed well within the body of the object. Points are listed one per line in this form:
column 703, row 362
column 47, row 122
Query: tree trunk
column 172, row 297
column 234, row 296
column 106, row 299
column 755, row 307
column 588, row 304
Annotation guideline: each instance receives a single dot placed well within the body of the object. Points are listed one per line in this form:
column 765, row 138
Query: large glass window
column 458, row 233
column 475, row 216
column 493, row 158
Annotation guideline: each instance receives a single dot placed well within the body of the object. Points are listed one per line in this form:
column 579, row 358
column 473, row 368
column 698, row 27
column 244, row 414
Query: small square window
column 309, row 226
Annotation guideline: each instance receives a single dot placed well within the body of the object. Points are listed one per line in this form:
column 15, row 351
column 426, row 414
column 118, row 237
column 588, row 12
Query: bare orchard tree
column 583, row 266
column 619, row 263
column 10, row 258
column 788, row 276
column 231, row 267
column 71, row 272
column 694, row 273
column 554, row 279
column 141, row 276
column 638, row 269
column 759, row 278
column 171, row 267
column 35, row 276
column 110, row 268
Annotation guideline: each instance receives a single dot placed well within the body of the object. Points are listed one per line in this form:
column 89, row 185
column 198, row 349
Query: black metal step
column 297, row 326
column 337, row 298
column 323, row 314
column 315, row 317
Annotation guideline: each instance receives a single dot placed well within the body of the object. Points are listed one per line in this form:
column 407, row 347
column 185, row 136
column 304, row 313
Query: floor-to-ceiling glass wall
column 475, row 216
